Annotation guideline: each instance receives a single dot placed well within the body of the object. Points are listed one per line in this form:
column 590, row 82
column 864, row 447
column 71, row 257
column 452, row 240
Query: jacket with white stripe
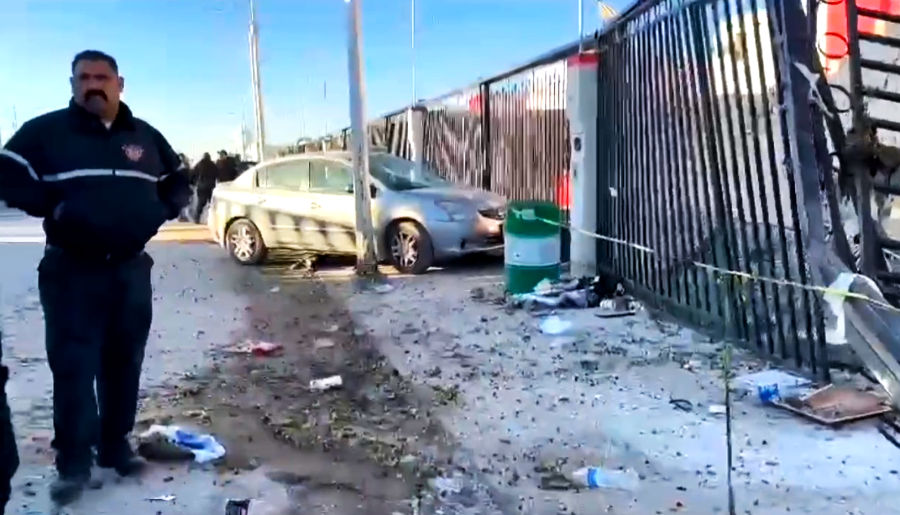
column 100, row 190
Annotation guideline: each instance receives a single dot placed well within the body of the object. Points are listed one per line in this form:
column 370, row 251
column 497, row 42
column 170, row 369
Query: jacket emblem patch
column 133, row 152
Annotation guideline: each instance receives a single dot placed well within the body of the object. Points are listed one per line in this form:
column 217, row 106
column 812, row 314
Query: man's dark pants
column 97, row 312
column 9, row 455
column 202, row 196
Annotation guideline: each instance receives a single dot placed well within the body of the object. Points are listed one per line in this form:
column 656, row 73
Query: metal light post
column 365, row 239
column 412, row 36
column 580, row 26
column 257, row 86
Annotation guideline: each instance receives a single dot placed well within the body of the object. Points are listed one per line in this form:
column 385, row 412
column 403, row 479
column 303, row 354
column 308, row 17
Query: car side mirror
column 349, row 188
column 373, row 191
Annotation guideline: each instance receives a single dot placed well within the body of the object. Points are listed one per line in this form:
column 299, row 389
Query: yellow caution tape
column 744, row 276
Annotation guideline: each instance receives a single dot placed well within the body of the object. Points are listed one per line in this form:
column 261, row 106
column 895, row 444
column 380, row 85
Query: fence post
column 721, row 224
column 415, row 135
column 796, row 48
column 486, row 172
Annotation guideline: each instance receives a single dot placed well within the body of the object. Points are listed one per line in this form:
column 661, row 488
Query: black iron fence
column 694, row 142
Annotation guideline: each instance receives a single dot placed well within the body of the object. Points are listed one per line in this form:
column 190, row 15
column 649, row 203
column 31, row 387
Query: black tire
column 243, row 228
column 416, row 234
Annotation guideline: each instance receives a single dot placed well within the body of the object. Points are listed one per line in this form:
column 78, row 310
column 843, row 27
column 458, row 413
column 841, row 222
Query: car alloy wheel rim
column 243, row 243
column 404, row 249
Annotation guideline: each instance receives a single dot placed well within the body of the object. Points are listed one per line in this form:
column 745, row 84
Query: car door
column 332, row 206
column 282, row 188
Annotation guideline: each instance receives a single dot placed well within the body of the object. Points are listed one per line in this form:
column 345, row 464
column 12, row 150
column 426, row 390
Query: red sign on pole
column 832, row 41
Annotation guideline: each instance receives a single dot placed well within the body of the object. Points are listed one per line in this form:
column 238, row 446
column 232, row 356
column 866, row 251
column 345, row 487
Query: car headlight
column 453, row 211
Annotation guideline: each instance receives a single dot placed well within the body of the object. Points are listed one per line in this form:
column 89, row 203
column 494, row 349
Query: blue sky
column 185, row 62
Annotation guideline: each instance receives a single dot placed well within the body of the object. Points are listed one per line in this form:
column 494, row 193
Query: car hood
column 478, row 198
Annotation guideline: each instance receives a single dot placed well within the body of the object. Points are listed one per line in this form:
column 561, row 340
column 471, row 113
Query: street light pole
column 580, row 26
column 365, row 240
column 257, row 86
column 412, row 37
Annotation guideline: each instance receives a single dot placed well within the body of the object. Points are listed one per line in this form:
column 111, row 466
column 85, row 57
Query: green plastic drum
column 532, row 246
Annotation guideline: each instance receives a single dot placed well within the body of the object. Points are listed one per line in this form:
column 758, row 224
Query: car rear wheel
column 411, row 248
column 244, row 242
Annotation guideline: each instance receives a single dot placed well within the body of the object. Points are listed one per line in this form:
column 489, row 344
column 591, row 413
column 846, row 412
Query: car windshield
column 399, row 174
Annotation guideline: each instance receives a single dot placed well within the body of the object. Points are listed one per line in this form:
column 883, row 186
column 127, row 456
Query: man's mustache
column 95, row 93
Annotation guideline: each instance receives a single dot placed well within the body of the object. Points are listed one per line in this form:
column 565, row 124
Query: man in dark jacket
column 186, row 165
column 9, row 455
column 227, row 167
column 104, row 182
column 206, row 173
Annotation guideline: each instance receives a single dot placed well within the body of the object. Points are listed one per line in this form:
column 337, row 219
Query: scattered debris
column 565, row 293
column 620, row 306
column 265, row 348
column 326, row 383
column 203, row 447
column 716, row 409
column 555, row 326
column 598, row 477
column 769, row 393
column 555, row 480
column 237, row 507
column 771, row 384
column 158, row 447
column 257, row 348
column 162, row 498
column 383, row 288
column 832, row 405
column 692, row 365
column 446, row 485
column 324, row 343
column 492, row 293
column 682, row 404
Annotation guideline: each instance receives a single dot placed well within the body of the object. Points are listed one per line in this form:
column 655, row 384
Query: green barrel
column 531, row 246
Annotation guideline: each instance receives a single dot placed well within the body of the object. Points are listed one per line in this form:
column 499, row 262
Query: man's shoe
column 67, row 489
column 125, row 464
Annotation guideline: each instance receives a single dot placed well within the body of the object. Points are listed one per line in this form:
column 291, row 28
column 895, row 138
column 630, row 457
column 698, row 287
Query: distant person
column 186, row 165
column 206, row 173
column 104, row 181
column 227, row 166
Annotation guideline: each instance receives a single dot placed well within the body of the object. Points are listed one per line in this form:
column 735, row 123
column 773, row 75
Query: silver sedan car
column 305, row 202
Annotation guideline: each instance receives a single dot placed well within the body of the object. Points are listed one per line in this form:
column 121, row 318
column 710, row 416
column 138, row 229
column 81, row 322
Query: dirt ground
column 530, row 406
column 369, row 447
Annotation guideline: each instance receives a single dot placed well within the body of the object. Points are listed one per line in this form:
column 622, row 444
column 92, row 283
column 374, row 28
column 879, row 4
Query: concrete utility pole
column 257, row 86
column 365, row 233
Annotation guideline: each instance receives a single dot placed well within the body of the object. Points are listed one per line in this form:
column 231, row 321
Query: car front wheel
column 244, row 242
column 411, row 248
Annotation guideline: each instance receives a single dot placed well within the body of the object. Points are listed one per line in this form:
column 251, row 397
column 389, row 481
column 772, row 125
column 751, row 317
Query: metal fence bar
column 665, row 184
column 729, row 148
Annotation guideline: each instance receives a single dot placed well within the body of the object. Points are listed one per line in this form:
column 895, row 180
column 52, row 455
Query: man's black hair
column 95, row 55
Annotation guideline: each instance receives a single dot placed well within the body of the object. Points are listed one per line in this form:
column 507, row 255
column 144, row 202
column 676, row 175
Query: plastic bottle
column 597, row 477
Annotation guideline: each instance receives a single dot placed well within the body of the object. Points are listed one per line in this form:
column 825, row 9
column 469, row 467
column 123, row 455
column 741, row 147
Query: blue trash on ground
column 204, row 447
